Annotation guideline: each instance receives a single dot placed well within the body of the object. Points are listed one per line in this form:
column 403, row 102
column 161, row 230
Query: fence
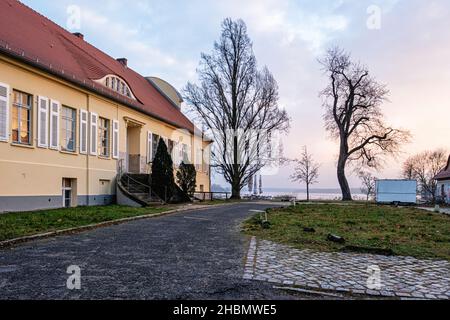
column 210, row 196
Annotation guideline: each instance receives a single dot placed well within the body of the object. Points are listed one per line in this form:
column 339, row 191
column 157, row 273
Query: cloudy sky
column 408, row 48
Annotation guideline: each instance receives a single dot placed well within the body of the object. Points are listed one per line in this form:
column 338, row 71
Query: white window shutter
column 54, row 124
column 43, row 122
column 4, row 112
column 115, row 153
column 83, row 131
column 149, row 147
column 93, row 134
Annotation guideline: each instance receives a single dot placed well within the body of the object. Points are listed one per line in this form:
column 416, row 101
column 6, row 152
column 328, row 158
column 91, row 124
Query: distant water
column 315, row 194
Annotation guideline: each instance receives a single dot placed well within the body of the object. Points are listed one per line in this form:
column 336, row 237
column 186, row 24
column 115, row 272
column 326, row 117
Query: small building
column 396, row 191
column 74, row 120
column 443, row 183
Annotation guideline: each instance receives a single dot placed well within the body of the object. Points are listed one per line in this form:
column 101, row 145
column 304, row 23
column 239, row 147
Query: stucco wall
column 446, row 184
column 37, row 173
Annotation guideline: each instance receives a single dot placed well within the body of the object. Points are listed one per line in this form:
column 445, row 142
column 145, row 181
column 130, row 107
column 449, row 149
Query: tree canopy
column 238, row 105
column 353, row 116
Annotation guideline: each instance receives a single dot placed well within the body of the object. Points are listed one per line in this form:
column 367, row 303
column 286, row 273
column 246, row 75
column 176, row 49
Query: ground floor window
column 67, row 192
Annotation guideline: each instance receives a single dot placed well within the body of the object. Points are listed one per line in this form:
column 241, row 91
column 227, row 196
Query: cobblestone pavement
column 441, row 210
column 400, row 277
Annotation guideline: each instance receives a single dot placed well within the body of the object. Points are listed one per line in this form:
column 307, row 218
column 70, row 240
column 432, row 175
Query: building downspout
column 88, row 151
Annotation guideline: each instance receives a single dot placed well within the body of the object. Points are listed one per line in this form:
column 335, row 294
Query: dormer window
column 118, row 85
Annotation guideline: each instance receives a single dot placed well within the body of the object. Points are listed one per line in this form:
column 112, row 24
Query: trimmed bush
column 163, row 183
column 187, row 178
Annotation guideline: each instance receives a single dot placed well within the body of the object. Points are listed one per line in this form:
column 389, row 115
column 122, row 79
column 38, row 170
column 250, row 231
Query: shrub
column 186, row 178
column 163, row 183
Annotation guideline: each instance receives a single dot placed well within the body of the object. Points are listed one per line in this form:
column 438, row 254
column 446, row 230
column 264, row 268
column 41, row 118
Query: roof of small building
column 32, row 38
column 445, row 173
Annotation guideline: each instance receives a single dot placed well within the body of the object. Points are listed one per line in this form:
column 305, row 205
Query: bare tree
column 353, row 116
column 306, row 170
column 424, row 167
column 250, row 184
column 260, row 185
column 368, row 184
column 408, row 169
column 238, row 104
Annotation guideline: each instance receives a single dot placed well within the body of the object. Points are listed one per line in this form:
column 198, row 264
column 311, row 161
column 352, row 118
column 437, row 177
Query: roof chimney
column 123, row 61
column 79, row 35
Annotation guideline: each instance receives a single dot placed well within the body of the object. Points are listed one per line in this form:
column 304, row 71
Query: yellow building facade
column 62, row 145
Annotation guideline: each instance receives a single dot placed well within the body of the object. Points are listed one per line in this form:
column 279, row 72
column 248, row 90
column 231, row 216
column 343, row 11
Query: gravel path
column 190, row 255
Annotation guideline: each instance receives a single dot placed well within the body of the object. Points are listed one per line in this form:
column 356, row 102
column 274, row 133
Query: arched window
column 117, row 84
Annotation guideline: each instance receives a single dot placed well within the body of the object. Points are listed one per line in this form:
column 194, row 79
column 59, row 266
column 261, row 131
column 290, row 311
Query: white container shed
column 396, row 191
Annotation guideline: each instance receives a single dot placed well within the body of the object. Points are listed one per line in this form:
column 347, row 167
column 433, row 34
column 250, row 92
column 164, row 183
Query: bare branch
column 353, row 116
column 238, row 105
column 424, row 167
column 306, row 170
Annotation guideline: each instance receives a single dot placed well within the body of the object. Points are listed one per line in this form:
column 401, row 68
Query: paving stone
column 387, row 293
column 373, row 292
column 404, row 277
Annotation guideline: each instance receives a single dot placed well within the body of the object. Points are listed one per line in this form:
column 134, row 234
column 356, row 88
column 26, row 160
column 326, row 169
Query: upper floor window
column 185, row 154
column 171, row 148
column 21, row 118
column 199, row 159
column 68, row 129
column 155, row 143
column 118, row 85
column 103, row 137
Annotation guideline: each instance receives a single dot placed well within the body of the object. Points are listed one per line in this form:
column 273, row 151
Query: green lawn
column 406, row 231
column 14, row 225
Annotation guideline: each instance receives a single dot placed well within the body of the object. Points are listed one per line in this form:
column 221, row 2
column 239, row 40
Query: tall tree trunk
column 345, row 188
column 235, row 190
column 236, row 183
column 307, row 192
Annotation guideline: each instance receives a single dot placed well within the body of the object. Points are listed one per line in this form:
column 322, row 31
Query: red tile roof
column 445, row 173
column 32, row 38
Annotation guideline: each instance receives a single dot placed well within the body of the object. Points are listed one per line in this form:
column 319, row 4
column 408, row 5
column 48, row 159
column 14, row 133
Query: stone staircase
column 137, row 188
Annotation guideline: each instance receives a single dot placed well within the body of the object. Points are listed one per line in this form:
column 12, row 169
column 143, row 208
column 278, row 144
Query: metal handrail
column 153, row 194
column 138, row 182
column 204, row 193
column 121, row 173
